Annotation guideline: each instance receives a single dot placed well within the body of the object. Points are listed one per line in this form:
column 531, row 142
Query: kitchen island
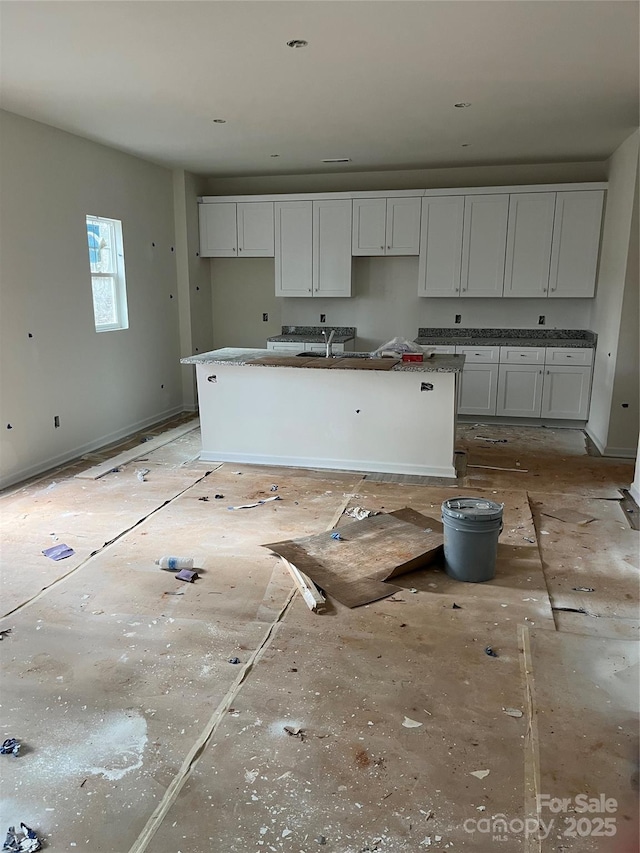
column 350, row 413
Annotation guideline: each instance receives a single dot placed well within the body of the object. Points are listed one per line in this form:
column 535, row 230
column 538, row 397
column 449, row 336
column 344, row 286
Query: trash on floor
column 455, row 606
column 4, row 632
column 408, row 723
column 10, row 746
column 489, row 651
column 274, row 488
column 359, row 512
column 498, row 468
column 234, row 660
column 59, row 552
column 204, row 498
column 480, row 774
column 583, row 589
column 187, row 575
column 142, row 473
column 492, row 440
column 295, row 731
column 23, row 840
column 373, row 551
column 257, row 503
column 174, row 564
column 336, row 536
column 512, row 712
column 218, row 497
column 313, row 598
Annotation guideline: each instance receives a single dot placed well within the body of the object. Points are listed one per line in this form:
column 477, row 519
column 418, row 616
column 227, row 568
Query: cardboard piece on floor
column 354, row 568
column 569, row 515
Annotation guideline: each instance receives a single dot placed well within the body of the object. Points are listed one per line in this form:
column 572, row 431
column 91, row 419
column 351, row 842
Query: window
column 106, row 260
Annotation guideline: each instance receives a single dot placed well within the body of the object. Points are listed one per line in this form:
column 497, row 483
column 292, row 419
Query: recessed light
column 338, row 160
column 297, row 43
column 219, row 121
column 462, row 105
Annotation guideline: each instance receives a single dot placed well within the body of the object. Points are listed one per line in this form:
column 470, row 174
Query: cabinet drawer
column 439, row 350
column 480, row 355
column 521, row 355
column 569, row 355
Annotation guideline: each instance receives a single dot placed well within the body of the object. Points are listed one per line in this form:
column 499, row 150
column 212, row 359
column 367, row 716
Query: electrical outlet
column 541, row 320
column 56, row 421
column 265, row 318
column 323, row 318
column 458, row 318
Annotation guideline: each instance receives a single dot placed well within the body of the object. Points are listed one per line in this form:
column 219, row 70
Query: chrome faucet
column 328, row 341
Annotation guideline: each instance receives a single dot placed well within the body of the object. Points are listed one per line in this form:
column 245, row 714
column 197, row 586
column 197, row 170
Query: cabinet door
column 332, row 248
column 440, row 246
column 218, row 235
column 369, row 223
column 403, row 226
column 478, row 389
column 519, row 390
column 529, row 232
column 576, row 241
column 566, row 392
column 484, row 241
column 288, row 347
column 255, row 229
column 293, row 259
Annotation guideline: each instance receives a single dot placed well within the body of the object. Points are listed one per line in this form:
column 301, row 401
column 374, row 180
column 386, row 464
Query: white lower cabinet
column 566, row 392
column 520, row 390
column 292, row 348
column 477, row 389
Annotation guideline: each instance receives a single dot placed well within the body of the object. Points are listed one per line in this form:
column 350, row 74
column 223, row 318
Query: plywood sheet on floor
column 595, row 681
column 601, row 555
column 110, row 679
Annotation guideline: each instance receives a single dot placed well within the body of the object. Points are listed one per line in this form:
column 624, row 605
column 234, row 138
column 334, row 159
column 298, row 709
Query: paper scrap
column 359, row 512
column 257, row 503
column 480, row 774
column 408, row 723
column 512, row 712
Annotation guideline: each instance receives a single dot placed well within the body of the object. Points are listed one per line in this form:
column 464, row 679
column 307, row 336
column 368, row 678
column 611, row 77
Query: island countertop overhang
column 241, row 357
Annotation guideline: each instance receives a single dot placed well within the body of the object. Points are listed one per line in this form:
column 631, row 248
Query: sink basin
column 335, row 355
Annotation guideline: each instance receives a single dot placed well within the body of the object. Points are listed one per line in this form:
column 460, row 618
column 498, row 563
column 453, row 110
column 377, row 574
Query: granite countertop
column 242, row 357
column 313, row 334
column 506, row 337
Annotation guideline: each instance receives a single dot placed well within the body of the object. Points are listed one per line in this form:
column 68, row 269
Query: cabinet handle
column 240, row 249
column 233, row 250
column 388, row 247
column 382, row 247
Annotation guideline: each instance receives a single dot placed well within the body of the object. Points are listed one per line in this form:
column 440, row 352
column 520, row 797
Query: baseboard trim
column 56, row 461
column 368, row 466
column 606, row 450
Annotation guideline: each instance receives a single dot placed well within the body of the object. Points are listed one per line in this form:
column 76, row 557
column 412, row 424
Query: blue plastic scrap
column 489, row 651
column 336, row 536
column 10, row 746
column 23, row 840
column 58, row 552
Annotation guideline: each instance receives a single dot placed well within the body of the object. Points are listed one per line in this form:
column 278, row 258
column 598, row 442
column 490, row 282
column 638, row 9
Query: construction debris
column 489, row 651
column 492, row 440
column 359, row 512
column 512, row 712
column 408, row 723
column 187, row 575
column 313, row 598
column 23, row 840
column 59, row 552
column 480, row 774
column 4, row 632
column 10, row 746
column 257, row 503
column 142, row 473
column 295, row 731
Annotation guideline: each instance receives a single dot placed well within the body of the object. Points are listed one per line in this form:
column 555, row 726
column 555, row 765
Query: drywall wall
column 52, row 361
column 615, row 275
column 463, row 176
column 635, row 486
column 243, row 289
column 194, row 288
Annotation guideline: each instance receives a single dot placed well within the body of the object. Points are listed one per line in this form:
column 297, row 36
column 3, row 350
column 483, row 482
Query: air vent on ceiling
column 338, row 160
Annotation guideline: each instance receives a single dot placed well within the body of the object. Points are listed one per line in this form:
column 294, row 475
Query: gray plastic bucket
column 471, row 530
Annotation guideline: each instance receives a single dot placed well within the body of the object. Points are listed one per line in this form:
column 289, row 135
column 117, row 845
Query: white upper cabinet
column 218, row 230
column 529, row 233
column 440, row 246
column 255, row 229
column 576, row 240
column 484, row 243
column 332, row 248
column 313, row 248
column 230, row 230
column 293, row 250
column 386, row 226
column 369, row 226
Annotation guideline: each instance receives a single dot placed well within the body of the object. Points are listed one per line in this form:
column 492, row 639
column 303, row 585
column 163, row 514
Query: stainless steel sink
column 335, row 355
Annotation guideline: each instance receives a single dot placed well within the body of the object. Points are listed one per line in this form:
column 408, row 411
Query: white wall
column 614, row 429
column 105, row 385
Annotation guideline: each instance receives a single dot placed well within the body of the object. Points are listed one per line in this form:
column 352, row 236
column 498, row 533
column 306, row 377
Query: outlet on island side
column 458, row 318
column 323, row 318
column 56, row 421
column 541, row 320
column 265, row 317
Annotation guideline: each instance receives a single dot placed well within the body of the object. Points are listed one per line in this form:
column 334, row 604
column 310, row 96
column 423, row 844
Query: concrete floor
column 141, row 736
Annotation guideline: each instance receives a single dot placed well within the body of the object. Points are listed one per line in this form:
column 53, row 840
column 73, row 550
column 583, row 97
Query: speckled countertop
column 313, row 334
column 506, row 337
column 241, row 357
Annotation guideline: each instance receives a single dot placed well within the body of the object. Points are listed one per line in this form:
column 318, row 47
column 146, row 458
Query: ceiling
column 547, row 81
